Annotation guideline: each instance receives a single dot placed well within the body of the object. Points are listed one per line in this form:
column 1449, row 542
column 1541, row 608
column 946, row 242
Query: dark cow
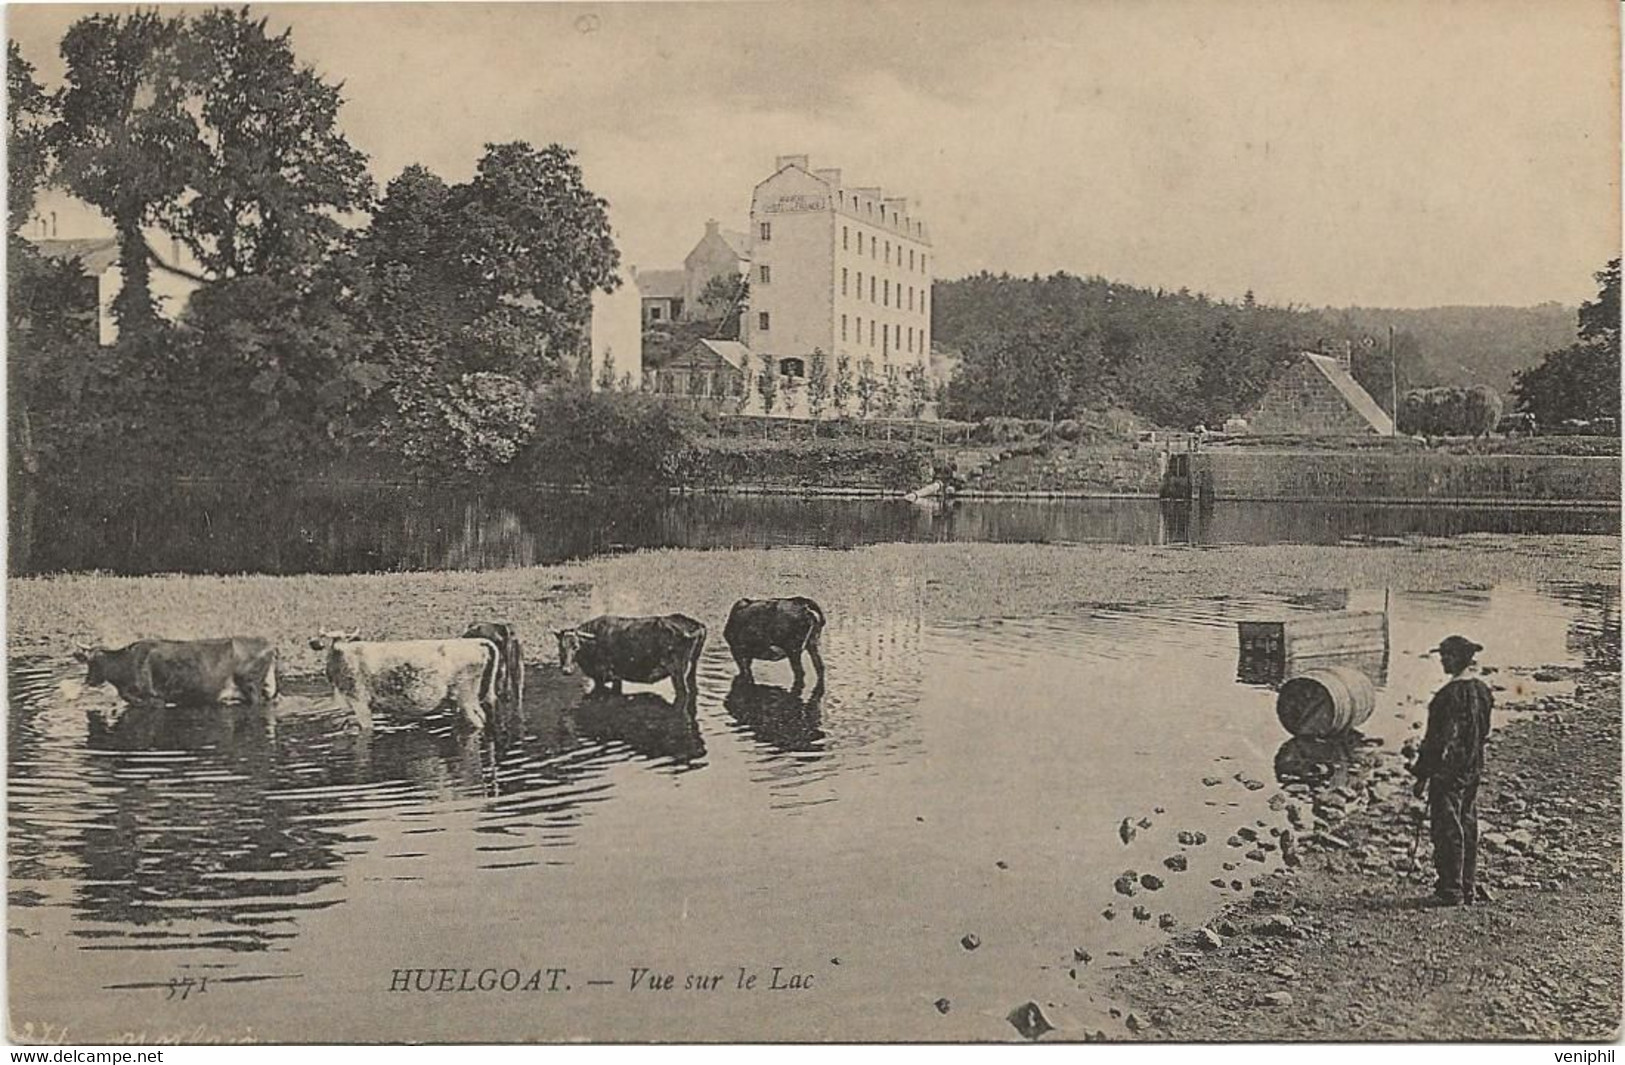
column 510, row 678
column 613, row 649
column 186, row 672
column 771, row 629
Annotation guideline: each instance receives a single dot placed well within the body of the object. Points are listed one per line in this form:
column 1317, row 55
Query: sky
column 1400, row 153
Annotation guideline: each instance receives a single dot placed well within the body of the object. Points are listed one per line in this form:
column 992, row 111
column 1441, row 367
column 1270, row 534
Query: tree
column 123, row 140
column 722, row 303
column 607, row 379
column 917, row 392
column 1580, row 381
column 269, row 171
column 494, row 276
column 868, row 387
column 28, row 116
column 767, row 384
column 840, row 387
column 818, row 386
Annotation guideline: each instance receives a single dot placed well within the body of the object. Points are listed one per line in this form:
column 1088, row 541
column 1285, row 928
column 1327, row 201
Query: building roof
column 736, row 241
column 96, row 253
column 1358, row 399
column 661, row 284
column 731, row 352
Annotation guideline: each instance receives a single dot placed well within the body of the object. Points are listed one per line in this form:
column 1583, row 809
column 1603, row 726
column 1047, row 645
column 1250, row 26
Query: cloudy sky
column 1385, row 152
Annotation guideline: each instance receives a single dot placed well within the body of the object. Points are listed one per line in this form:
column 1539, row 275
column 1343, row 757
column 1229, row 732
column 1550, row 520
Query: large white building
column 839, row 269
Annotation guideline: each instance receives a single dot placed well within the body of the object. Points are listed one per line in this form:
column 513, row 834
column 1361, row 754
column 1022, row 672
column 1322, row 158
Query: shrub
column 607, row 438
column 998, row 430
column 824, row 462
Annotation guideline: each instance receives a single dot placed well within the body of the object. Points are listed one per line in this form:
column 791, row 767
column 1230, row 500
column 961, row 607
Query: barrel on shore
column 1325, row 702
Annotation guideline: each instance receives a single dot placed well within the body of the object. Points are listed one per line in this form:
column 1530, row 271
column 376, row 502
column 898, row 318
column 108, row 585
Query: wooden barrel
column 1325, row 702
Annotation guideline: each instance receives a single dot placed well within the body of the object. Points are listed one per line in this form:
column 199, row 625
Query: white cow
column 411, row 678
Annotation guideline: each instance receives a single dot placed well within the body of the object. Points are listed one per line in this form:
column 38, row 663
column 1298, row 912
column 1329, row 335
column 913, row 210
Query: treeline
column 424, row 338
column 1039, row 347
column 1042, row 347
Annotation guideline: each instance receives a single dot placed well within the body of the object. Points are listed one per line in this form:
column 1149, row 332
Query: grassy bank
column 47, row 615
column 1359, row 958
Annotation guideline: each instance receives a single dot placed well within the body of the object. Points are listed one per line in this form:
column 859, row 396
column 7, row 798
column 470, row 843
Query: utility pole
column 1393, row 386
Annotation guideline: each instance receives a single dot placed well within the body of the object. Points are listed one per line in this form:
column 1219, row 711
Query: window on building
column 843, row 327
column 911, row 258
column 911, row 297
column 860, row 242
column 874, row 248
column 762, row 321
column 888, row 253
column 872, row 289
column 897, row 336
column 860, row 284
column 860, row 329
column 885, row 293
column 654, row 314
column 922, row 262
column 766, row 231
column 764, row 274
column 871, row 332
column 846, row 238
column 843, row 280
column 792, row 366
column 910, row 348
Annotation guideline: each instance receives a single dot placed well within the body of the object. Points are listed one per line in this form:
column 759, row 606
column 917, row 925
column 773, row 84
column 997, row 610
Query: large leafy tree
column 29, row 112
column 122, row 138
column 270, row 173
column 1581, row 380
column 491, row 277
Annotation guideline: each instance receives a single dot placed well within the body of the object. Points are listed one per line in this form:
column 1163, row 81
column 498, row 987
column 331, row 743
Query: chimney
column 831, row 178
column 790, row 160
column 710, row 227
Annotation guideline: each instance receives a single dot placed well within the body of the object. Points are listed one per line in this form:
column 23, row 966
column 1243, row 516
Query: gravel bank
column 1341, row 948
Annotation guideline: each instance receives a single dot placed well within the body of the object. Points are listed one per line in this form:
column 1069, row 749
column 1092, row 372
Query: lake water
column 956, row 777
column 289, row 529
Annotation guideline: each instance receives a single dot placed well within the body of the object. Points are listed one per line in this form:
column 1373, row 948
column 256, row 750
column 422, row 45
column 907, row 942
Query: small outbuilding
column 708, row 369
column 1317, row 396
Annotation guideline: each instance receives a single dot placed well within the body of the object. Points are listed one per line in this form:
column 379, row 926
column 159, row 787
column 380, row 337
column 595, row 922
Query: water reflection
column 787, row 720
column 647, row 723
column 1317, row 761
column 267, row 528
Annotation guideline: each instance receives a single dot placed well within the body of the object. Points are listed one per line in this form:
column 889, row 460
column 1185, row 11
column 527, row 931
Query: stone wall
column 1302, row 401
column 1405, row 478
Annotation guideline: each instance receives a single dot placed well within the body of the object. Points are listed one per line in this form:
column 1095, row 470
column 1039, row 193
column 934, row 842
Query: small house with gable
column 709, row 370
column 1318, row 396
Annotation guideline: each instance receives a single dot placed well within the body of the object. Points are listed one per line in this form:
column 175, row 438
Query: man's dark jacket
column 1458, row 727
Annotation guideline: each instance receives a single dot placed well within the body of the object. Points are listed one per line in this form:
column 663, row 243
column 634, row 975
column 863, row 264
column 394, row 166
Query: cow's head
column 93, row 659
column 322, row 641
column 570, row 641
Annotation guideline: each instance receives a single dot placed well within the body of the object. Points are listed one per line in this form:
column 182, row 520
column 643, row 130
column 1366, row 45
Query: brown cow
column 185, row 672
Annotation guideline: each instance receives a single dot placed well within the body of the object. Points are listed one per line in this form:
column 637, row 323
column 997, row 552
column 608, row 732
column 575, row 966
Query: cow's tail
column 817, row 615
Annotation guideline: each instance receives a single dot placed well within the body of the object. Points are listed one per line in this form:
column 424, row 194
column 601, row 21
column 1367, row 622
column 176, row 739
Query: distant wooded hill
column 1043, row 346
column 1464, row 345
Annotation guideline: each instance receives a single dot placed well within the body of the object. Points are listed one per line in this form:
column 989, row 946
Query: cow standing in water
column 411, row 679
column 771, row 629
column 510, row 678
column 612, row 649
column 185, row 672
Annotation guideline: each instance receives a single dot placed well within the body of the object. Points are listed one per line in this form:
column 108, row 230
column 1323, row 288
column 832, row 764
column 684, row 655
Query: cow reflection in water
column 781, row 718
column 243, row 730
column 647, row 722
column 440, row 760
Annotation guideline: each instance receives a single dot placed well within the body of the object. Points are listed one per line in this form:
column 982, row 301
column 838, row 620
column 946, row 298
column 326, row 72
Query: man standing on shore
column 1449, row 767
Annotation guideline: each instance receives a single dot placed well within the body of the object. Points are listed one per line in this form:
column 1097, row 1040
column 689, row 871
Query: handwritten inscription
column 639, row 979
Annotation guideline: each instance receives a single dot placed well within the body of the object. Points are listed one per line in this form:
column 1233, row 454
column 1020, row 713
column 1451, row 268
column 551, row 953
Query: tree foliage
column 269, row 172
column 1042, row 347
column 29, row 112
column 1580, row 381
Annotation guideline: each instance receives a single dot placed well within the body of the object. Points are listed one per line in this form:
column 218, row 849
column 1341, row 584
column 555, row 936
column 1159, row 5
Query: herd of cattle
column 475, row 675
